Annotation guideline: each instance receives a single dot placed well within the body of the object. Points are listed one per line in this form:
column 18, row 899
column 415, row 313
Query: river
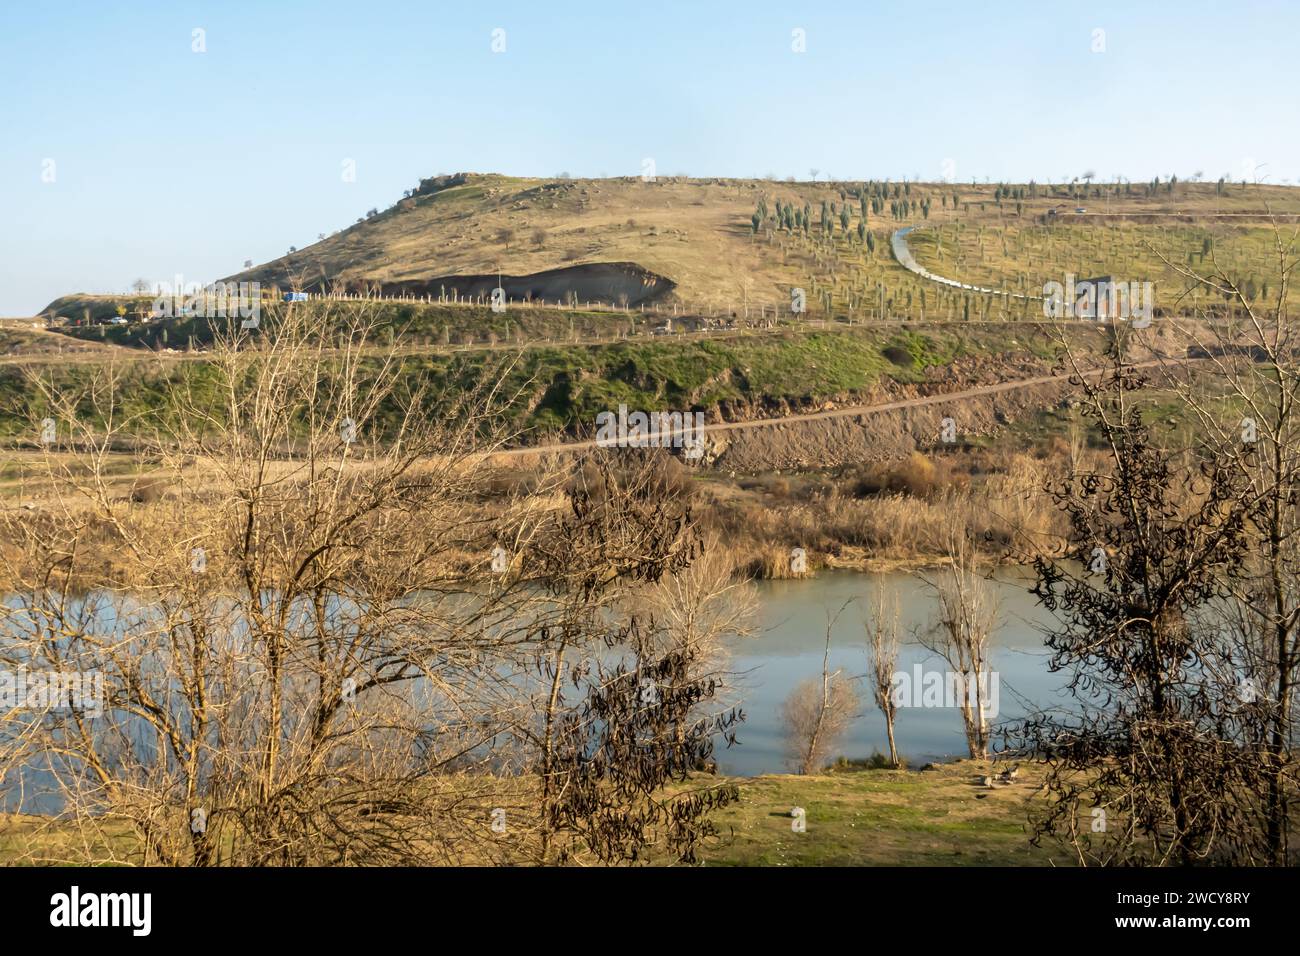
column 787, row 648
column 789, row 645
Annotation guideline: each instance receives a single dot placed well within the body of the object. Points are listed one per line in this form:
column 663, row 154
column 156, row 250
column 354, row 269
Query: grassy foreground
column 938, row 817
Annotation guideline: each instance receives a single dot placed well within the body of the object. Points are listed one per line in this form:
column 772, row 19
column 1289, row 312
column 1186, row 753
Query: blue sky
column 170, row 161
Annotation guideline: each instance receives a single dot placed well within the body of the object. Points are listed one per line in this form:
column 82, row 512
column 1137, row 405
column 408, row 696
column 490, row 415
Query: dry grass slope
column 698, row 234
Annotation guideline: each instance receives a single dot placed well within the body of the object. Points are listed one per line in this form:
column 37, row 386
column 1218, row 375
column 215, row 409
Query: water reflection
column 789, row 646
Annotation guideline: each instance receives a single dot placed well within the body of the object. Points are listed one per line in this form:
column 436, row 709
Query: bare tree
column 324, row 640
column 1244, row 396
column 1161, row 762
column 643, row 720
column 703, row 610
column 883, row 642
column 706, row 604
column 279, row 633
column 818, row 712
column 966, row 617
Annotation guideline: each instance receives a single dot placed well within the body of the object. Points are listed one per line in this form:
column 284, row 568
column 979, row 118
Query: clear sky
column 166, row 160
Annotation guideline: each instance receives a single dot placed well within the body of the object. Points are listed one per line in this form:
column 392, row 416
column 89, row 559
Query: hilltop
column 741, row 245
column 736, row 247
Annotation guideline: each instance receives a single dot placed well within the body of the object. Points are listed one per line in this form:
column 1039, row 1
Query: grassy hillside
column 702, row 237
column 562, row 386
column 699, row 233
column 1020, row 257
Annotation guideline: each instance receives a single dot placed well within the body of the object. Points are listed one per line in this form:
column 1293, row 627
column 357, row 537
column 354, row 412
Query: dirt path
column 851, row 411
column 764, row 455
column 903, row 256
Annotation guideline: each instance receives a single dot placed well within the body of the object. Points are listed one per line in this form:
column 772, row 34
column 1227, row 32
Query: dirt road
column 851, row 411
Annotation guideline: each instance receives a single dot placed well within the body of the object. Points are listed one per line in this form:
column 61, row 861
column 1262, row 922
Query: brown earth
column 890, row 429
column 619, row 282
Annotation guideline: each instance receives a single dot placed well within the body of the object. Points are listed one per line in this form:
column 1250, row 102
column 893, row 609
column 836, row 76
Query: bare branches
column 1158, row 765
column 967, row 615
column 309, row 653
column 819, row 710
column 883, row 644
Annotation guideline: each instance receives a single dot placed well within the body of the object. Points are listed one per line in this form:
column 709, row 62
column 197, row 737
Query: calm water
column 789, row 646
column 787, row 649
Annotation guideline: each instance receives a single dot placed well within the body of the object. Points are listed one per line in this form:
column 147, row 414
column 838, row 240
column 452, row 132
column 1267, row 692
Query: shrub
column 877, row 761
column 913, row 476
column 148, row 490
column 899, row 356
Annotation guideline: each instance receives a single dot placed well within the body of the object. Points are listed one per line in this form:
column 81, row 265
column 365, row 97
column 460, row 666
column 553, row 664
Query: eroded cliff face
column 609, row 283
column 874, row 435
column 981, row 394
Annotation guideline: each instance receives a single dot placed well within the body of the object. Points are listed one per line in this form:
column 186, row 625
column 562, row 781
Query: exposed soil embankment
column 876, row 435
column 618, row 283
column 980, row 396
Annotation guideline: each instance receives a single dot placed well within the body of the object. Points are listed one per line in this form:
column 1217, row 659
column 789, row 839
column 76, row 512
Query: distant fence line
column 760, row 310
column 586, row 305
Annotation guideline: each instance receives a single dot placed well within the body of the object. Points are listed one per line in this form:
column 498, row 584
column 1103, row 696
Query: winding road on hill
column 903, row 255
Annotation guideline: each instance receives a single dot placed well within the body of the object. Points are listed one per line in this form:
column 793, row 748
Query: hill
column 705, row 245
column 736, row 248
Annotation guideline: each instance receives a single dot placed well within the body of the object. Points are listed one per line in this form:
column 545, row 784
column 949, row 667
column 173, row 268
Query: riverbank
column 942, row 816
column 938, row 817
